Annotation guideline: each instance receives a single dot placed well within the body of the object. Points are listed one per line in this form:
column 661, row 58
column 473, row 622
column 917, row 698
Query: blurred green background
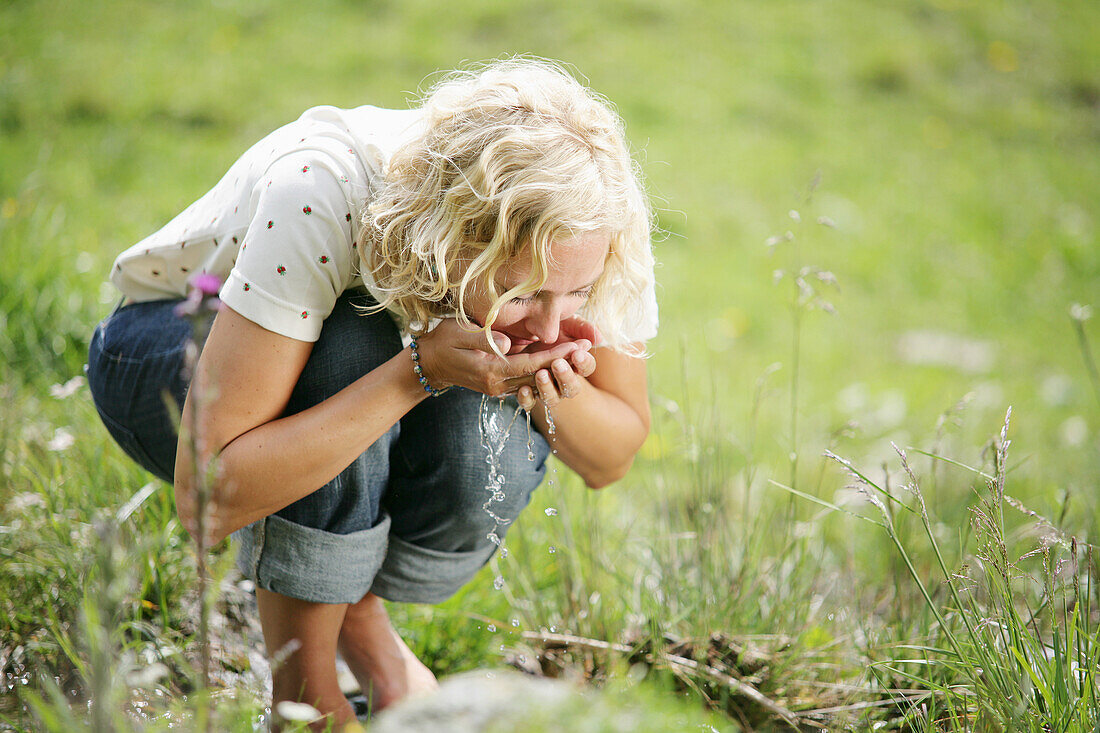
column 954, row 144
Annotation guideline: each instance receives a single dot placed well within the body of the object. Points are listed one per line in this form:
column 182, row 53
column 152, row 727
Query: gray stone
column 472, row 701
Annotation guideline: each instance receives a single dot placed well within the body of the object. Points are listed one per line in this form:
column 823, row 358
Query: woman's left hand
column 564, row 379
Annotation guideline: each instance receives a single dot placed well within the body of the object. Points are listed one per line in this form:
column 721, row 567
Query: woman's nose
column 546, row 324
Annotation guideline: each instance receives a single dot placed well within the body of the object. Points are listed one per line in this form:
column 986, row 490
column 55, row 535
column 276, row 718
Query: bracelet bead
column 419, row 371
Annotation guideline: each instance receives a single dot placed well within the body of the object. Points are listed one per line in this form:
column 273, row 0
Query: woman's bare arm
column 241, row 388
column 242, row 385
column 604, row 420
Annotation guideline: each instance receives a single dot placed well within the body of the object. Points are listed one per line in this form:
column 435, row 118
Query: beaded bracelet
column 420, row 373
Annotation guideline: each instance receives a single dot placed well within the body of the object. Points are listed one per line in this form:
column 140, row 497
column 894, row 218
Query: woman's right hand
column 452, row 355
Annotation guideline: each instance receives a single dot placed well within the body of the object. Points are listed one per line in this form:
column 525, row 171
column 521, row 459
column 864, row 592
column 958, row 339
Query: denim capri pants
column 406, row 520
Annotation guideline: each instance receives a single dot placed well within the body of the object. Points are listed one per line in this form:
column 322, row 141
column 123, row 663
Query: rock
column 473, row 701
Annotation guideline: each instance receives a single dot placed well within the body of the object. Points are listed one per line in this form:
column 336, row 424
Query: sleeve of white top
column 641, row 322
column 296, row 257
column 637, row 324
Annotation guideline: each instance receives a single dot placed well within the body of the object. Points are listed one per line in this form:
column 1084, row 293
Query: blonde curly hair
column 515, row 154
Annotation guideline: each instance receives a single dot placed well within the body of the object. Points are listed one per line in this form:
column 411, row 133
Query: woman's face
column 535, row 318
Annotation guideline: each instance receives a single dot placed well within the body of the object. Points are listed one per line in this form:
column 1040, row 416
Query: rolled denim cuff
column 414, row 574
column 311, row 564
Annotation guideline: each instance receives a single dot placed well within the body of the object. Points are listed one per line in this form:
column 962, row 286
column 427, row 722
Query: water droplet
column 504, row 552
column 498, row 582
column 521, row 659
column 515, row 622
column 492, row 628
column 551, row 511
column 553, row 629
column 553, row 549
column 530, row 442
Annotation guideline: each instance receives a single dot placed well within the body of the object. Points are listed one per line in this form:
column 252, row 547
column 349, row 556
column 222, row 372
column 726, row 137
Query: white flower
column 147, row 676
column 61, row 440
column 21, row 502
column 61, row 391
column 298, row 711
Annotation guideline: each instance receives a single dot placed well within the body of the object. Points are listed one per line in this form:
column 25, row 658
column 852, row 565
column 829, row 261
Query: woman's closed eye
column 527, row 299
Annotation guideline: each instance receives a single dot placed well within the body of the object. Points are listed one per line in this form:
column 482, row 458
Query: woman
column 503, row 228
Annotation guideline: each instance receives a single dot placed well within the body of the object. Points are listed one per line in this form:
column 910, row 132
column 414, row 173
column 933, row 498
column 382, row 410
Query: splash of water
column 494, row 429
column 494, row 433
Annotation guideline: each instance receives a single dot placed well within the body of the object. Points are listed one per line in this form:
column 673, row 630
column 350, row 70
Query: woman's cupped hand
column 452, row 355
column 564, row 376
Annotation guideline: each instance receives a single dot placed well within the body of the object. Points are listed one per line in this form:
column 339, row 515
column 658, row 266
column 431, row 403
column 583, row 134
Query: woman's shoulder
column 368, row 122
column 350, row 146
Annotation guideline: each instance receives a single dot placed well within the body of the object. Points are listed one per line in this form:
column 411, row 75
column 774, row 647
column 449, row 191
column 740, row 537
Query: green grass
column 958, row 150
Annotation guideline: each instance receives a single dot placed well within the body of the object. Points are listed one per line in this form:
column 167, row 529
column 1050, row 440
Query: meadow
column 878, row 233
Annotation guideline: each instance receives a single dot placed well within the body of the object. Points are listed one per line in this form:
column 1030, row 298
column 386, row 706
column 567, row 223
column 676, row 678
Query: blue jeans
column 406, row 520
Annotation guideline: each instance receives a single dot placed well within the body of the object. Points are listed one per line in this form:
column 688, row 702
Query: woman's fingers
column 526, row 397
column 576, row 328
column 527, row 364
column 566, row 378
column 547, row 390
column 583, row 362
column 558, row 382
column 450, row 354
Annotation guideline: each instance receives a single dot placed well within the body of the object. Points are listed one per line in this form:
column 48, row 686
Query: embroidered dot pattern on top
column 281, row 227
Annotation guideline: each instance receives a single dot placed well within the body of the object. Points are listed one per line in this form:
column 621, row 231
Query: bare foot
column 379, row 658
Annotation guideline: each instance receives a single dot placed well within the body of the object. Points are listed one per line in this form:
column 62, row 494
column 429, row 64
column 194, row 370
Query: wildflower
column 206, row 283
column 778, row 239
column 1080, row 313
column 147, row 677
column 203, row 293
column 61, row 440
column 68, row 389
column 297, row 711
column 22, row 502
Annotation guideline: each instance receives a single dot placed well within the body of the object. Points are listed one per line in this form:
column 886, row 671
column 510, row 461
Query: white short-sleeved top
column 281, row 228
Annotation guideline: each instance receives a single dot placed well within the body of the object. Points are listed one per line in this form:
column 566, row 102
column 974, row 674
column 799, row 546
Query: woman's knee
column 136, row 355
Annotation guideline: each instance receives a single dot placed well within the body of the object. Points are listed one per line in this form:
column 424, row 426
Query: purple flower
column 206, row 283
column 203, row 293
